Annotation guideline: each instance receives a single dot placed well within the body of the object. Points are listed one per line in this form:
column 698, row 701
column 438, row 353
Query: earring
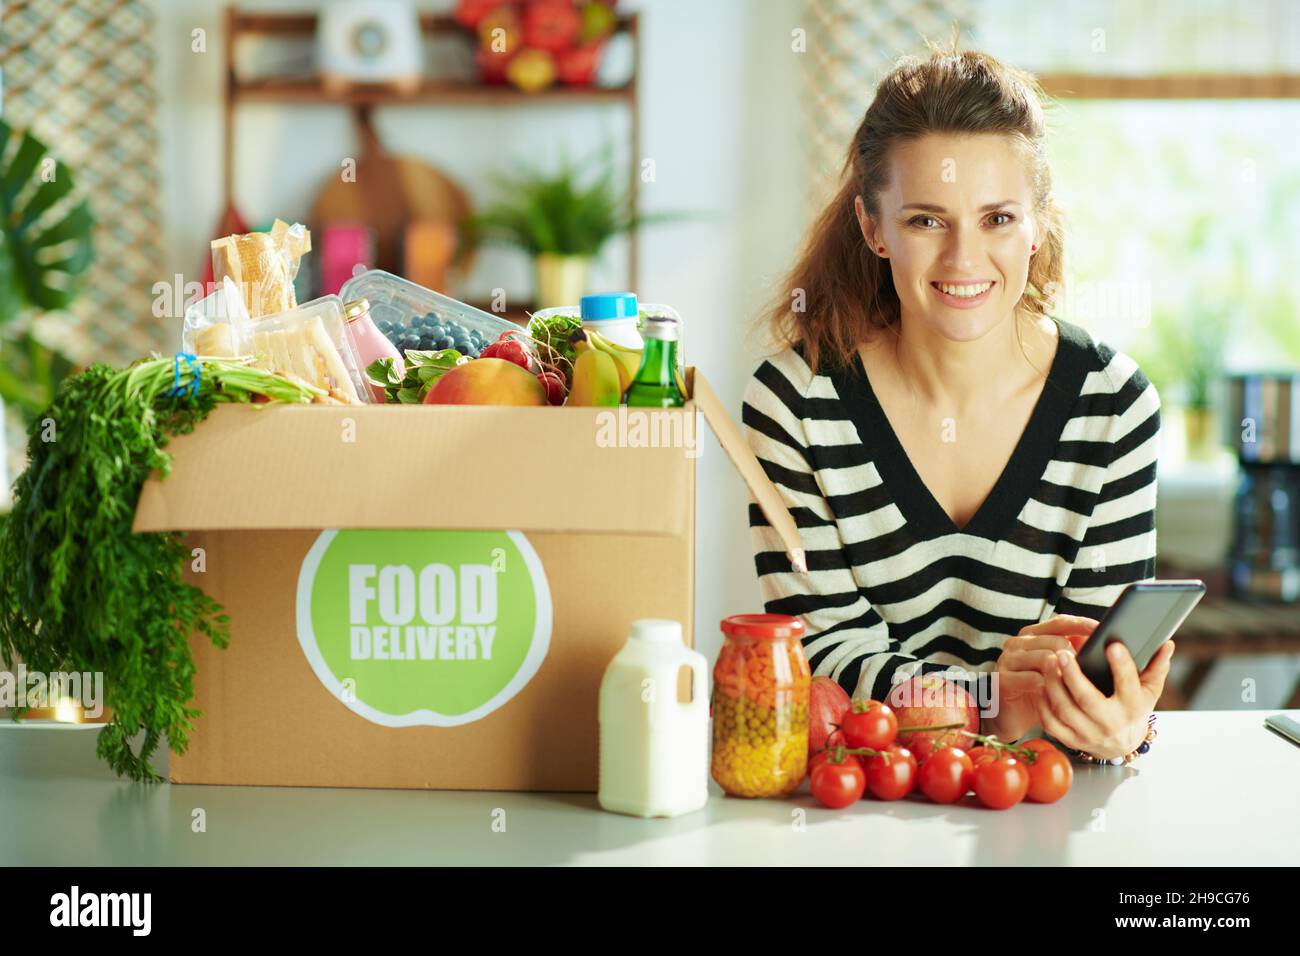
column 880, row 249
column 1033, row 248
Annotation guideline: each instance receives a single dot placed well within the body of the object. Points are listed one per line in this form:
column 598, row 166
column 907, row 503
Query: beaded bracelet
column 1127, row 758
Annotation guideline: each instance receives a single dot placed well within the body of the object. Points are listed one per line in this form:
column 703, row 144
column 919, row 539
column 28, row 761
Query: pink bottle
column 370, row 344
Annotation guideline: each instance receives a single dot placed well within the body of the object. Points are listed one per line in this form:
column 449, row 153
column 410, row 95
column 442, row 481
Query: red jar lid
column 763, row 627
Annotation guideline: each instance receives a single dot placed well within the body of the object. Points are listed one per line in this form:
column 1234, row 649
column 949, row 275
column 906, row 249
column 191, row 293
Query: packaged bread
column 263, row 265
column 310, row 343
column 218, row 324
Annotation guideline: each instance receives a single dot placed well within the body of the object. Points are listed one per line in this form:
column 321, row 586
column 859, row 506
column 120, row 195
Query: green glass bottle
column 655, row 383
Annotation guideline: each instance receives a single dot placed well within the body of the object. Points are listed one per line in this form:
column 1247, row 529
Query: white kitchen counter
column 1174, row 806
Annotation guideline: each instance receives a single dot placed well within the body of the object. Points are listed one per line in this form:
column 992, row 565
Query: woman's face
column 957, row 228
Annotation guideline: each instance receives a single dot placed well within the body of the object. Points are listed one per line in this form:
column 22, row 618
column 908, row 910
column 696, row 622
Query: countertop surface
column 1217, row 788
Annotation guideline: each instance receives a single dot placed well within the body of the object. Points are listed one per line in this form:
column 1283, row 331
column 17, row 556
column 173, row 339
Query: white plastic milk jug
column 654, row 758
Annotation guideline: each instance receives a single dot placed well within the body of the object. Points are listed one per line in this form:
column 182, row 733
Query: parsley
column 78, row 590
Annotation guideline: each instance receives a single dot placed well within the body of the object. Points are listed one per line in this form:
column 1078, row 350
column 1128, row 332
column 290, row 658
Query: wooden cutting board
column 389, row 192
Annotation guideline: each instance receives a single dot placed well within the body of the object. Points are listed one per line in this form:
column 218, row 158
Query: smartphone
column 1143, row 617
column 1285, row 726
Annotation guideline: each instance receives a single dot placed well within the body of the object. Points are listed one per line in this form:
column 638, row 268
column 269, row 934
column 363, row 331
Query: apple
column 550, row 25
column 577, row 67
column 827, row 704
column 929, row 699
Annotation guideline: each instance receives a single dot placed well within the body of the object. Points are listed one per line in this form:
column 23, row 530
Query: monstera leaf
column 45, row 236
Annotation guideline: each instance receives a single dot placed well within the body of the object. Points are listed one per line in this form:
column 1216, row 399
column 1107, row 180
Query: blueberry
column 436, row 330
column 446, row 342
column 411, row 341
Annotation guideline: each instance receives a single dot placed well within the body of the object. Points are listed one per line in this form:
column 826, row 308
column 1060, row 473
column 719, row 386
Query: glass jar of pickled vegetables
column 760, row 706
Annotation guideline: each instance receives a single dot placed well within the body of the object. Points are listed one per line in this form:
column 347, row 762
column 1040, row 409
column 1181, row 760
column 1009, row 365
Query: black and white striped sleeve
column 843, row 629
column 1119, row 545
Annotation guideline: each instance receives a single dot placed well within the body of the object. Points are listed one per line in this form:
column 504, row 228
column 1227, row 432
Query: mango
column 487, row 381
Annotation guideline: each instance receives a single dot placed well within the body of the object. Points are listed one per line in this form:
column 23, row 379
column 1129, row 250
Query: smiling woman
column 974, row 479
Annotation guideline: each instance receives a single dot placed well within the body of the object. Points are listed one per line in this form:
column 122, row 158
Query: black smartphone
column 1143, row 617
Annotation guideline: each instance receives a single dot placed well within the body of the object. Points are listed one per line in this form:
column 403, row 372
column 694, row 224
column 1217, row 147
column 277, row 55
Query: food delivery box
column 427, row 596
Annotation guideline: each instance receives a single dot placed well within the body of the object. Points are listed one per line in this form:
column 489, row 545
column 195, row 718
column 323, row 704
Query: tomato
column 1001, row 783
column 875, row 727
column 947, row 775
column 1038, row 743
column 1050, row 776
column 981, row 754
column 892, row 774
column 837, row 785
column 821, row 756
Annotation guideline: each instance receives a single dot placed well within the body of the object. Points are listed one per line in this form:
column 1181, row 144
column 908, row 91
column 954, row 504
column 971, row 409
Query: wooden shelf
column 309, row 90
column 304, row 24
column 1207, row 86
column 431, row 92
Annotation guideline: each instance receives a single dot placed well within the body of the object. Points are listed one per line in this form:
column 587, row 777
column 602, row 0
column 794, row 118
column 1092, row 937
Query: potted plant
column 1185, row 356
column 562, row 219
column 44, row 247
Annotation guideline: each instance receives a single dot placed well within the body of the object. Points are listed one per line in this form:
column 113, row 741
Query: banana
column 629, row 360
column 595, row 379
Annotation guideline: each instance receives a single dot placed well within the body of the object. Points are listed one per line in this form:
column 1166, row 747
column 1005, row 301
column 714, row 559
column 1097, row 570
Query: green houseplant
column 562, row 219
column 45, row 246
column 1184, row 356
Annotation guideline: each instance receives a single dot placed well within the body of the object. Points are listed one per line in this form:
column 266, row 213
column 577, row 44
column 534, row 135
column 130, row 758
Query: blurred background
column 679, row 149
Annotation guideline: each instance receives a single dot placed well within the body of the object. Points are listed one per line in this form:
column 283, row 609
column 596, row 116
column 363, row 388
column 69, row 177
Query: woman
column 974, row 481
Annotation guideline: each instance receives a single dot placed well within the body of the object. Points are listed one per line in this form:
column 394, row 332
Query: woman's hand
column 1022, row 671
column 1077, row 714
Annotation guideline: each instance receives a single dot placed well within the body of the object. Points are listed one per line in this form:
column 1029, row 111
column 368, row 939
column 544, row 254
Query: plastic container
column 614, row 315
column 654, row 749
column 370, row 344
column 402, row 311
column 760, row 706
column 217, row 324
column 312, row 343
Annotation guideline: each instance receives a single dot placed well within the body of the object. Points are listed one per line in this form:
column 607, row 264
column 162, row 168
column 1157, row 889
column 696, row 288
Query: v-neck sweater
column 893, row 587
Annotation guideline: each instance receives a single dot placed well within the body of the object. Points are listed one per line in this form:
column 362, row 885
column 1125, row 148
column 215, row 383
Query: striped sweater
column 893, row 587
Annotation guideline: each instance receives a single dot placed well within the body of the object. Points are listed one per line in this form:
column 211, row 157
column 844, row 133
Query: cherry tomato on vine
column 821, row 756
column 891, row 775
column 837, row 785
column 876, row 726
column 1037, row 743
column 1050, row 776
column 947, row 775
column 1001, row 783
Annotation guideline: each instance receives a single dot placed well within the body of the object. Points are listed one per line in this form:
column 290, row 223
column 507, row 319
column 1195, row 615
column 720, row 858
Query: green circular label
column 423, row 627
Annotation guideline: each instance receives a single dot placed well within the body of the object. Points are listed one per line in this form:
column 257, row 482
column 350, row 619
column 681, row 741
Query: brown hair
column 846, row 290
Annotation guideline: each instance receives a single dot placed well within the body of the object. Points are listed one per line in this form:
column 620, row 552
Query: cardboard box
column 367, row 651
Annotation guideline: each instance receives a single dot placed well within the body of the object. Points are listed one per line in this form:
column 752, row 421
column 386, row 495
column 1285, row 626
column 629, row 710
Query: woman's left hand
column 1077, row 714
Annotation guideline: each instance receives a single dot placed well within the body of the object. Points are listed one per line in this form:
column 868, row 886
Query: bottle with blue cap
column 614, row 315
